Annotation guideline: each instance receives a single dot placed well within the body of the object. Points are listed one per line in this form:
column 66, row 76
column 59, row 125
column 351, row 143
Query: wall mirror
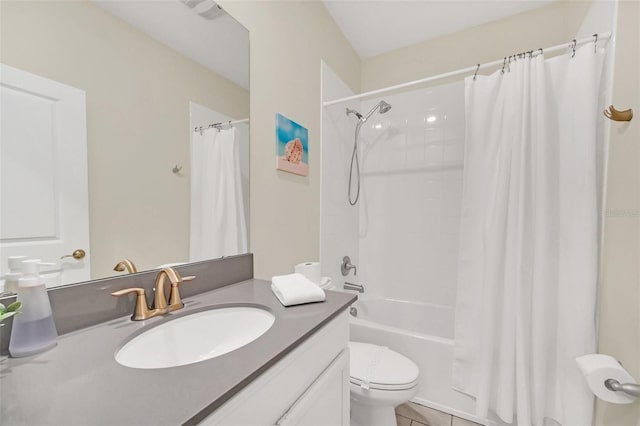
column 101, row 163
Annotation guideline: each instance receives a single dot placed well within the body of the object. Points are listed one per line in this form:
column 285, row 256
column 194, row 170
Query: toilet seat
column 378, row 367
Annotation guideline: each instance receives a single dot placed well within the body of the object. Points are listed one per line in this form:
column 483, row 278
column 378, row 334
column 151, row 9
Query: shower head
column 384, row 107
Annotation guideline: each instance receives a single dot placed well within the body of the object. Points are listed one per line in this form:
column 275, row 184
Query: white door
column 44, row 210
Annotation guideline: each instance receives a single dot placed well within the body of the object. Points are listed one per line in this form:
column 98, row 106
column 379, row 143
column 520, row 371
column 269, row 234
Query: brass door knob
column 77, row 254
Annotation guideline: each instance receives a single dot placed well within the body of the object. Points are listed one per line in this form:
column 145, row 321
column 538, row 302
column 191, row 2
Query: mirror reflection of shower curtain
column 529, row 240
column 218, row 226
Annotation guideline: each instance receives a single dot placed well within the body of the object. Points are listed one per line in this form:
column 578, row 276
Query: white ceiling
column 374, row 27
column 220, row 44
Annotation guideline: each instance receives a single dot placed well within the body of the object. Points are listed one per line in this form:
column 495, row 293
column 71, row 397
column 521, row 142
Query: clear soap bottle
column 33, row 328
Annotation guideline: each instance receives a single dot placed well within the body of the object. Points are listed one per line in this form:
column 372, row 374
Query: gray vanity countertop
column 79, row 382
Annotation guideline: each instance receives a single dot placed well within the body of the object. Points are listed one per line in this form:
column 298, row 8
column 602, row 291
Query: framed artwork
column 292, row 146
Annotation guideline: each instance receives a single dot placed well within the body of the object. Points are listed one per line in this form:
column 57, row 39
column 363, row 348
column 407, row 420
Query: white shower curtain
column 218, row 226
column 529, row 242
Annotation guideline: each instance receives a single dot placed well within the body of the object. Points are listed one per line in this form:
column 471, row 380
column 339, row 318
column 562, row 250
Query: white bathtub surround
column 411, row 164
column 408, row 215
column 339, row 223
column 218, row 225
column 529, row 239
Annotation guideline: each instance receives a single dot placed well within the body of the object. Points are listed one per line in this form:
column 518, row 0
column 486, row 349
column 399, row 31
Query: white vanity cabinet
column 308, row 387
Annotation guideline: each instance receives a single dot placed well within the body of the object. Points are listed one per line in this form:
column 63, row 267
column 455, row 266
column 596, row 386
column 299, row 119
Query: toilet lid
column 378, row 367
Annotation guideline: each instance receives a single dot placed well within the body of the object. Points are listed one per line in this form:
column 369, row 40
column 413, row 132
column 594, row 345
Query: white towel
column 295, row 289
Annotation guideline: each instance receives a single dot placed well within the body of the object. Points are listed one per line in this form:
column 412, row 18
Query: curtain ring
column 477, row 68
column 573, row 47
column 595, row 43
column 503, row 64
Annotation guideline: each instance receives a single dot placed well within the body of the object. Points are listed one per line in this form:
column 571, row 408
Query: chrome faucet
column 347, row 266
column 160, row 307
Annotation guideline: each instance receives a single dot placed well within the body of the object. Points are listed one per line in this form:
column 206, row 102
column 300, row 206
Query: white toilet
column 381, row 379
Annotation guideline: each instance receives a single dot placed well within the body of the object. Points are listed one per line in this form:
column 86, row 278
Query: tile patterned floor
column 412, row 414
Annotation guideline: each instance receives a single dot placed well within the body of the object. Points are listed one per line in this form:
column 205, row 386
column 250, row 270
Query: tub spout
column 351, row 286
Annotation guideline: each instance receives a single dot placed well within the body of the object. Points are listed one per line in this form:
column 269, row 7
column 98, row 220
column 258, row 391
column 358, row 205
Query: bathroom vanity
column 308, row 386
column 294, row 373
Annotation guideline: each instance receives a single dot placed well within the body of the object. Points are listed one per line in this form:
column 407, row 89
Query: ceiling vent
column 208, row 9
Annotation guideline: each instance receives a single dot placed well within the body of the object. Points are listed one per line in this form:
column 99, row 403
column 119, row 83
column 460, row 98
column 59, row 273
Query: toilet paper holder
column 628, row 388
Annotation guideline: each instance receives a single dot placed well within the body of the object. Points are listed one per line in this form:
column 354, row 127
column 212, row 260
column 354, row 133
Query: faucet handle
column 346, row 266
column 175, row 301
column 124, row 291
column 142, row 310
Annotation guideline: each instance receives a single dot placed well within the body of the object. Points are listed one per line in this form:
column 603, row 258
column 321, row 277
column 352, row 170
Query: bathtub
column 424, row 333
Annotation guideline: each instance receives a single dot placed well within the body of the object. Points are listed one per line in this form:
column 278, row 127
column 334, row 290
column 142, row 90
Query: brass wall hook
column 615, row 115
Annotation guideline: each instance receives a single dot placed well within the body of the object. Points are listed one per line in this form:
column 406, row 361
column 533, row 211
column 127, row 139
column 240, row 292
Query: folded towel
column 296, row 289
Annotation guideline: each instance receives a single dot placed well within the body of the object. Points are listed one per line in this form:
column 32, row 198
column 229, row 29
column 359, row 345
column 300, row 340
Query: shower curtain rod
column 470, row 70
column 219, row 125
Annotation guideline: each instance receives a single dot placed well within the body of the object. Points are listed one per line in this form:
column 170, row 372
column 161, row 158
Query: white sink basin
column 195, row 337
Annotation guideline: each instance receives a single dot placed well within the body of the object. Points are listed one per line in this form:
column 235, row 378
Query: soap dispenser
column 33, row 328
column 15, row 273
column 15, row 263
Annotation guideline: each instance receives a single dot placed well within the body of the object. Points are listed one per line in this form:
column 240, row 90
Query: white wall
column 411, row 195
column 619, row 292
column 339, row 220
column 549, row 25
column 288, row 41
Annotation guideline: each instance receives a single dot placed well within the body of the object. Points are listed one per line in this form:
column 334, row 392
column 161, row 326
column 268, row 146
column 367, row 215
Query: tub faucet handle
column 347, row 266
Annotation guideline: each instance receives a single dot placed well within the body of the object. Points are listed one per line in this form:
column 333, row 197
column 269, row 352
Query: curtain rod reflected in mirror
column 220, row 125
